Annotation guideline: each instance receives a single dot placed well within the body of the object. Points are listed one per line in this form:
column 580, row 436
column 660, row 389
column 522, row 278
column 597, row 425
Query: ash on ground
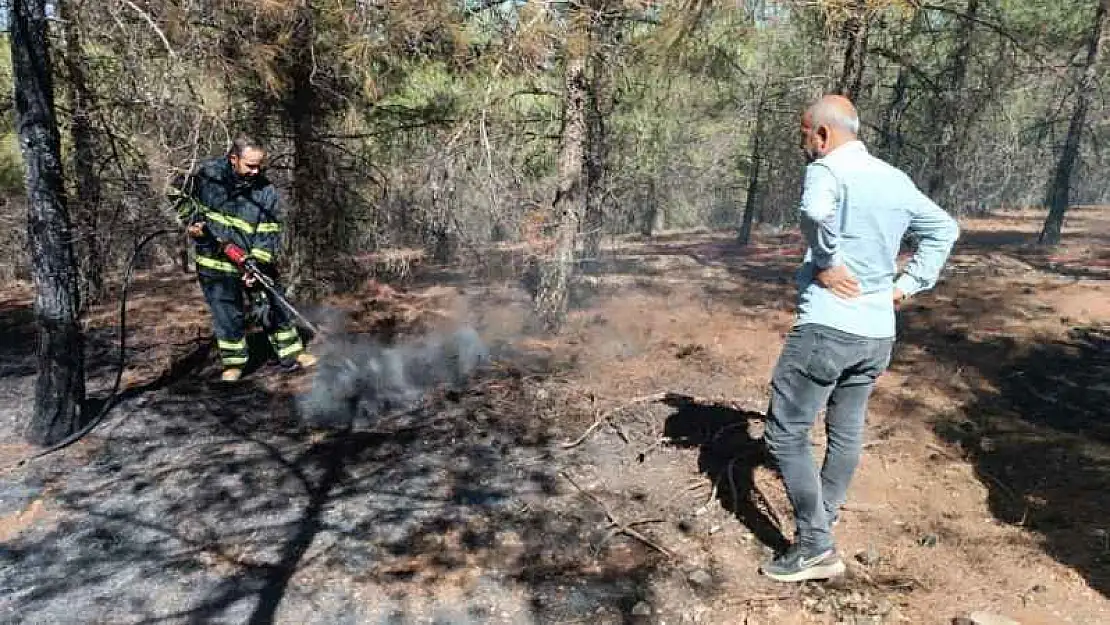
column 359, row 379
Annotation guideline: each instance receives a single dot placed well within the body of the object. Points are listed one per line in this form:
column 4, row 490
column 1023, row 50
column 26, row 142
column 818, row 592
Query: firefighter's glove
column 260, row 308
column 195, row 230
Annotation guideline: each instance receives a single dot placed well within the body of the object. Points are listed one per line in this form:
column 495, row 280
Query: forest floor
column 985, row 482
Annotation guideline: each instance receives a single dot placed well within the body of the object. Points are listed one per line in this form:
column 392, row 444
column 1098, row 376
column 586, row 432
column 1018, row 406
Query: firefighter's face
column 249, row 163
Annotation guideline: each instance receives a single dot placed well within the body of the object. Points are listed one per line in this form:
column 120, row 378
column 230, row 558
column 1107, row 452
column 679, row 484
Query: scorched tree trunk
column 60, row 386
column 552, row 296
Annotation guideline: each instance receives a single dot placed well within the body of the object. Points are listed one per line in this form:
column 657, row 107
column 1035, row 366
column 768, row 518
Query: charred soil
column 612, row 474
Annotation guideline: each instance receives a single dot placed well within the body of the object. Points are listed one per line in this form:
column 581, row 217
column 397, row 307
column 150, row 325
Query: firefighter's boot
column 303, row 360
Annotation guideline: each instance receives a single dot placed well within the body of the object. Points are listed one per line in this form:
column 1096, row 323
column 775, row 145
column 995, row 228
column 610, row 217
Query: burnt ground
column 983, row 485
column 202, row 503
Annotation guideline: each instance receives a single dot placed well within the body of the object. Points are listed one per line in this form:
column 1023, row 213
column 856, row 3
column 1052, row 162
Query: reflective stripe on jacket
column 241, row 210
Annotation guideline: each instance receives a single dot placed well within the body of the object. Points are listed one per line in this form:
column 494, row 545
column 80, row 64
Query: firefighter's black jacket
column 240, row 209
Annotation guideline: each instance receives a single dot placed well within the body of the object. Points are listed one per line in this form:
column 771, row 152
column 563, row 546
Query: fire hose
column 237, row 255
column 249, row 266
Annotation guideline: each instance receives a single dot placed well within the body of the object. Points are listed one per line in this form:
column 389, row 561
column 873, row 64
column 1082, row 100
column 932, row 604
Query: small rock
column 16, row 498
column 700, row 578
column 884, row 606
column 642, row 608
column 869, row 556
column 984, row 618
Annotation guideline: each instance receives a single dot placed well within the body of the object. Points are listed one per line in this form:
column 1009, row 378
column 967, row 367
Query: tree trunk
column 552, row 295
column 1060, row 187
column 655, row 218
column 60, row 385
column 892, row 139
column 943, row 163
column 86, row 206
column 755, row 146
column 855, row 54
column 437, row 235
column 600, row 102
column 307, row 223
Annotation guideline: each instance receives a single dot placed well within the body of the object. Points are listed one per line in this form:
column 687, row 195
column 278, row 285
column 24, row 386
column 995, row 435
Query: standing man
column 854, row 210
column 231, row 197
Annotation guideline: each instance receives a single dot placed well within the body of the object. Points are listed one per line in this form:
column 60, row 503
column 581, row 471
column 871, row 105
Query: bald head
column 835, row 111
column 827, row 124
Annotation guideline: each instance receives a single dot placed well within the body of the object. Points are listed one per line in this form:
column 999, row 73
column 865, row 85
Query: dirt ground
column 611, row 475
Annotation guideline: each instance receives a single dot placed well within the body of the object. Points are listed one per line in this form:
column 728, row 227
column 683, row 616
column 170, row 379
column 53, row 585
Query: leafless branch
column 621, row 527
column 154, row 26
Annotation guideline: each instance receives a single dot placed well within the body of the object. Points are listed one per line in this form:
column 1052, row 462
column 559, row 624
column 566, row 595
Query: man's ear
column 823, row 133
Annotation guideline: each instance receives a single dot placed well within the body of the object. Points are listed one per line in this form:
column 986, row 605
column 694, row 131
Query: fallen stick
column 863, row 507
column 654, row 397
column 761, row 599
column 605, row 416
column 1002, row 486
column 1005, row 488
column 884, row 441
column 621, row 527
column 942, row 451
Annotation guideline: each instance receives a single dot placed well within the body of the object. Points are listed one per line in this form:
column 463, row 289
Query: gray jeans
column 821, row 367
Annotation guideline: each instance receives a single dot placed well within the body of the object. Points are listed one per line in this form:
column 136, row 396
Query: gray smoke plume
column 359, row 379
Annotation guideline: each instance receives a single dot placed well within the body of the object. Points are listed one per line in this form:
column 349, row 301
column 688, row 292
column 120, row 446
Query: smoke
column 359, row 379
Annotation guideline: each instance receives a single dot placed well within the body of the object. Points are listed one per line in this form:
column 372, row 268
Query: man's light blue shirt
column 855, row 209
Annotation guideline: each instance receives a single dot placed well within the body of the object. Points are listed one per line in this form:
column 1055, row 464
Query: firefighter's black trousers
column 226, row 296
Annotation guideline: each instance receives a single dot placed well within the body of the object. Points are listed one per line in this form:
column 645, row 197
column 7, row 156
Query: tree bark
column 949, row 112
column 86, row 206
column 855, row 54
column 755, row 146
column 892, row 139
column 310, row 222
column 552, row 295
column 60, row 384
column 1059, row 188
column 600, row 102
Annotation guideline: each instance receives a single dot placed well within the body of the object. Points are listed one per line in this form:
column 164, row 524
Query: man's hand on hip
column 899, row 298
column 839, row 280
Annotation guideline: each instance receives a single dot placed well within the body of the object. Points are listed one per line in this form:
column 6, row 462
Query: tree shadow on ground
column 728, row 456
column 754, row 279
column 1036, row 429
column 1084, row 251
column 1038, row 434
column 1036, row 426
column 19, row 342
column 209, row 503
column 18, row 336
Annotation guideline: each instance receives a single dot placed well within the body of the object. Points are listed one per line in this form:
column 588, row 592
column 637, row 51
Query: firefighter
column 231, row 197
